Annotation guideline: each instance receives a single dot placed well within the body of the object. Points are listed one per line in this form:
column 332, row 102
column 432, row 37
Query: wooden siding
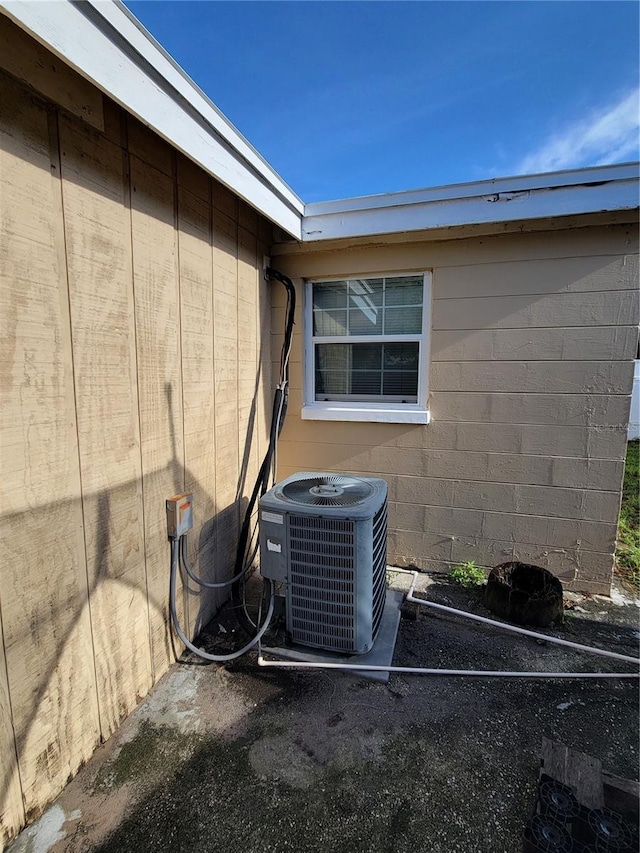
column 125, row 378
column 531, row 364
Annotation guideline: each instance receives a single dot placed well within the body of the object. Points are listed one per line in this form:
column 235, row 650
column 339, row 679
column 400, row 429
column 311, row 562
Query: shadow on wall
column 122, row 650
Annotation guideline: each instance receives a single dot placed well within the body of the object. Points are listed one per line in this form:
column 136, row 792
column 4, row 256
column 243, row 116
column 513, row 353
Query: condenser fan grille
column 322, row 582
column 328, row 490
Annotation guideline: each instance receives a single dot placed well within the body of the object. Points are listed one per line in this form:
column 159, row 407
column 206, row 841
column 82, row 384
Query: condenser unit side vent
column 379, row 565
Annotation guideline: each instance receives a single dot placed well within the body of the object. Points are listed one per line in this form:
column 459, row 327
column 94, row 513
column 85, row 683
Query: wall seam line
column 54, row 141
column 127, row 178
column 6, row 783
column 463, row 480
column 541, row 293
column 457, row 450
column 211, row 224
column 550, row 361
column 484, row 511
column 178, row 271
column 531, row 328
column 316, row 253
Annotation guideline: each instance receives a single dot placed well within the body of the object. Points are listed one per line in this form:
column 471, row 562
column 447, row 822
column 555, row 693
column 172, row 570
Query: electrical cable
column 204, row 584
column 175, row 557
column 268, row 468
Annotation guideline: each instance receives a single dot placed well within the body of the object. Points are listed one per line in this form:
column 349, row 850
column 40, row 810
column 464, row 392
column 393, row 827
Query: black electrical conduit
column 242, row 564
column 280, row 403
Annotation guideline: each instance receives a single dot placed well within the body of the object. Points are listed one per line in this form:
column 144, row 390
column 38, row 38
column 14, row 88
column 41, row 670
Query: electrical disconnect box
column 179, row 515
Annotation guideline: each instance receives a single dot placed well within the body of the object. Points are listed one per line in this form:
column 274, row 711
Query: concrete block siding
column 531, row 366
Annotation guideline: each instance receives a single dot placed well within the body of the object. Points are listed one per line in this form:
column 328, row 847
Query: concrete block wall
column 532, row 344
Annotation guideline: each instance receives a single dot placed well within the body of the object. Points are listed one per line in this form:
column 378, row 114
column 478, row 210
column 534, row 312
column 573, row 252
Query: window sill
column 365, row 412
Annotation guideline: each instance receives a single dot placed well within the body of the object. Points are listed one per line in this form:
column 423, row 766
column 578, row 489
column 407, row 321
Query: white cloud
column 606, row 136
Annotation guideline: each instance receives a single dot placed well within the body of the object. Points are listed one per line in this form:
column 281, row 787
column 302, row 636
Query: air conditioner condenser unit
column 323, row 537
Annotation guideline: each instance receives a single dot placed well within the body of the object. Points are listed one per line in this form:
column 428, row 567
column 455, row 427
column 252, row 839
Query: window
column 367, row 348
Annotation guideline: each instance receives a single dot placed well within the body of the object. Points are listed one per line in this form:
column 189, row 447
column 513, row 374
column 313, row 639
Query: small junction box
column 179, row 515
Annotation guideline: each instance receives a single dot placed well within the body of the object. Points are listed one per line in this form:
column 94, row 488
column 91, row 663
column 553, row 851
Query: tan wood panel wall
column 126, row 378
column 98, row 240
column 532, row 346
column 225, row 342
column 11, row 803
column 157, row 313
column 195, row 213
column 46, row 626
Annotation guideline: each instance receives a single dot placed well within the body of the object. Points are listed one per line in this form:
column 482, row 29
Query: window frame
column 364, row 410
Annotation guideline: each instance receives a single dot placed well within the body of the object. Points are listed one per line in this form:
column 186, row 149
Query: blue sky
column 356, row 98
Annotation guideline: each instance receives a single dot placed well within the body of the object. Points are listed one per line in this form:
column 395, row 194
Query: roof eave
column 106, row 45
column 520, row 199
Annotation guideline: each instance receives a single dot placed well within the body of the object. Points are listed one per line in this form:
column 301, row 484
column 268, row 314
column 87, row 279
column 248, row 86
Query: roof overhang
column 106, row 45
column 524, row 199
column 103, row 42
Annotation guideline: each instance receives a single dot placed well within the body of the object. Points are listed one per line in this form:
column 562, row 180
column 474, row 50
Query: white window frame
column 352, row 410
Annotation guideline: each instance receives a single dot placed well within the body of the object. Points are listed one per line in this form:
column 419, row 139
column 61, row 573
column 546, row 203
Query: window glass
column 329, row 323
column 401, row 356
column 365, row 321
column 330, row 294
column 383, row 308
column 367, row 370
column 402, row 321
column 358, row 307
column 403, row 291
column 332, row 365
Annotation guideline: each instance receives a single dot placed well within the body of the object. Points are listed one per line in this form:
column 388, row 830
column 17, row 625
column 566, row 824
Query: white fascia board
column 104, row 43
column 569, row 193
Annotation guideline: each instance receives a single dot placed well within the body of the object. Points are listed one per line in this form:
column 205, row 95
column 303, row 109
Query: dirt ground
column 238, row 759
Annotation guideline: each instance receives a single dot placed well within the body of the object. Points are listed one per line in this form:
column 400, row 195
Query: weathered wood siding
column 531, row 364
column 126, row 378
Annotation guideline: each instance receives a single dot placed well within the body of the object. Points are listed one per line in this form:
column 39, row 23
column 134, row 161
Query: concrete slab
column 380, row 655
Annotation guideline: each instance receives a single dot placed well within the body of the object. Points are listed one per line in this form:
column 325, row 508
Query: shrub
column 467, row 574
column 628, row 544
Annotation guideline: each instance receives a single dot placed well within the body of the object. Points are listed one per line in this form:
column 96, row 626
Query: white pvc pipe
column 417, row 670
column 578, row 646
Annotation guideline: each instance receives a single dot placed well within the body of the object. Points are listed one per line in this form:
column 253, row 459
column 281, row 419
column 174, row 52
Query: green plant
column 628, row 544
column 467, row 574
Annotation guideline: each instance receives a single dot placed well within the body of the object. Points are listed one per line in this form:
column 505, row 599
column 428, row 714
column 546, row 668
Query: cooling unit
column 324, row 537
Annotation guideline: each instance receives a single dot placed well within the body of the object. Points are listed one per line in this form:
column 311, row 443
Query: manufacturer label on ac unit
column 273, row 516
